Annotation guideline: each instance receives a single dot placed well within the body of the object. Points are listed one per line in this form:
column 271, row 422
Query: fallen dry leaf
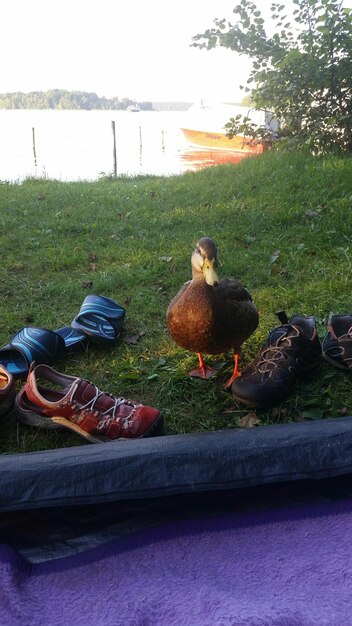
column 93, row 267
column 132, row 339
column 249, row 420
column 275, row 255
column 312, row 213
column 87, row 284
column 299, row 418
column 276, row 270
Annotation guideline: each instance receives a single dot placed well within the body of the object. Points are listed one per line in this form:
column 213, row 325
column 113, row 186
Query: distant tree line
column 60, row 99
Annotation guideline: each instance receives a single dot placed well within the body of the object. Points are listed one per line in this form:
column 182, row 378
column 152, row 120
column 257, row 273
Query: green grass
column 283, row 227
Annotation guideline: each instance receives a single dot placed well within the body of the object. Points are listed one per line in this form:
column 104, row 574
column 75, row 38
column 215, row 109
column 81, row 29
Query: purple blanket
column 287, row 567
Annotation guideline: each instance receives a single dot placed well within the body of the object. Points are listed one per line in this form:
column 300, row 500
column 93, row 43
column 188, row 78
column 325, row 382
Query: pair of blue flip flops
column 100, row 319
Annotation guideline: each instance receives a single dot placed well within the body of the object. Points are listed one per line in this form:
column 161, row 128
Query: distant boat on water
column 133, row 108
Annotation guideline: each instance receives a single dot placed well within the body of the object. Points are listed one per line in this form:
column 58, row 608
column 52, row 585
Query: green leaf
column 306, row 82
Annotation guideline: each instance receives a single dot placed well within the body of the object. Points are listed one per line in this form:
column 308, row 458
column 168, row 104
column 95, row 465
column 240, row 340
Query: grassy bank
column 282, row 224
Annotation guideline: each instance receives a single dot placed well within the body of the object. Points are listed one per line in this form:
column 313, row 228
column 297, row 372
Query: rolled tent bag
column 242, row 526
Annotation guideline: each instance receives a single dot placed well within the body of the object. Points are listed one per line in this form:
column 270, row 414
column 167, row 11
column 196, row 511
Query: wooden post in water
column 114, row 151
column 34, row 149
column 140, row 145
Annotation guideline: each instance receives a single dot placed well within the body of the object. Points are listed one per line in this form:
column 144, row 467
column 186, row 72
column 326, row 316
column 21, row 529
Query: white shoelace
column 110, row 412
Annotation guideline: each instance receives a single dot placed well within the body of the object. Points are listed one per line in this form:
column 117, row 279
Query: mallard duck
column 211, row 316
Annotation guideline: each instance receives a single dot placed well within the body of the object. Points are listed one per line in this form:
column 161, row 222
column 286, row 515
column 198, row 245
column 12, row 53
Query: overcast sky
column 127, row 48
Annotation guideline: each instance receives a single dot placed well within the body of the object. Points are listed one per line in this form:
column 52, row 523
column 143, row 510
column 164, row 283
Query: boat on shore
column 204, row 127
column 221, row 141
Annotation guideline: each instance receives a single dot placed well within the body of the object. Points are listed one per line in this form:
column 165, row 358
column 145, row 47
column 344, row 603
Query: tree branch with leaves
column 302, row 73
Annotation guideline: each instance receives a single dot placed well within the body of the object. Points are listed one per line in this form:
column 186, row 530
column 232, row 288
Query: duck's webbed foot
column 236, row 372
column 203, row 371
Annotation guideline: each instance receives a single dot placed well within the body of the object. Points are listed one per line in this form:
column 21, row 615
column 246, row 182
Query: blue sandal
column 37, row 344
column 100, row 318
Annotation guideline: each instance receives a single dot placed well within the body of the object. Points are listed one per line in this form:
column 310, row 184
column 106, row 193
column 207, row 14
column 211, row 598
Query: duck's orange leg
column 203, row 371
column 236, row 372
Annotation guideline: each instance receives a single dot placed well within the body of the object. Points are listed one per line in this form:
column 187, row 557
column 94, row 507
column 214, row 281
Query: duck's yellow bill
column 210, row 274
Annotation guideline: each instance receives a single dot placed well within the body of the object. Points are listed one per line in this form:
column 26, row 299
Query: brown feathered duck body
column 208, row 315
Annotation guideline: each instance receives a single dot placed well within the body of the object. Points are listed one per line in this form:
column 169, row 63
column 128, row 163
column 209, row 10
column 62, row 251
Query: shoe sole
column 30, row 418
column 335, row 364
column 249, row 402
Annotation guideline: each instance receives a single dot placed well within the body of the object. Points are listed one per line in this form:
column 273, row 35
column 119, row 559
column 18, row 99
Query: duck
column 209, row 315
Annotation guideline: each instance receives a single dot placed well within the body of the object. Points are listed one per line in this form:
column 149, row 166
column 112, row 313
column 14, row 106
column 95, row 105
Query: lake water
column 78, row 145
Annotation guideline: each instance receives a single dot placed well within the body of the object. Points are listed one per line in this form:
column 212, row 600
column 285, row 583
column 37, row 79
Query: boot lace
column 109, row 413
column 339, row 350
column 273, row 356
